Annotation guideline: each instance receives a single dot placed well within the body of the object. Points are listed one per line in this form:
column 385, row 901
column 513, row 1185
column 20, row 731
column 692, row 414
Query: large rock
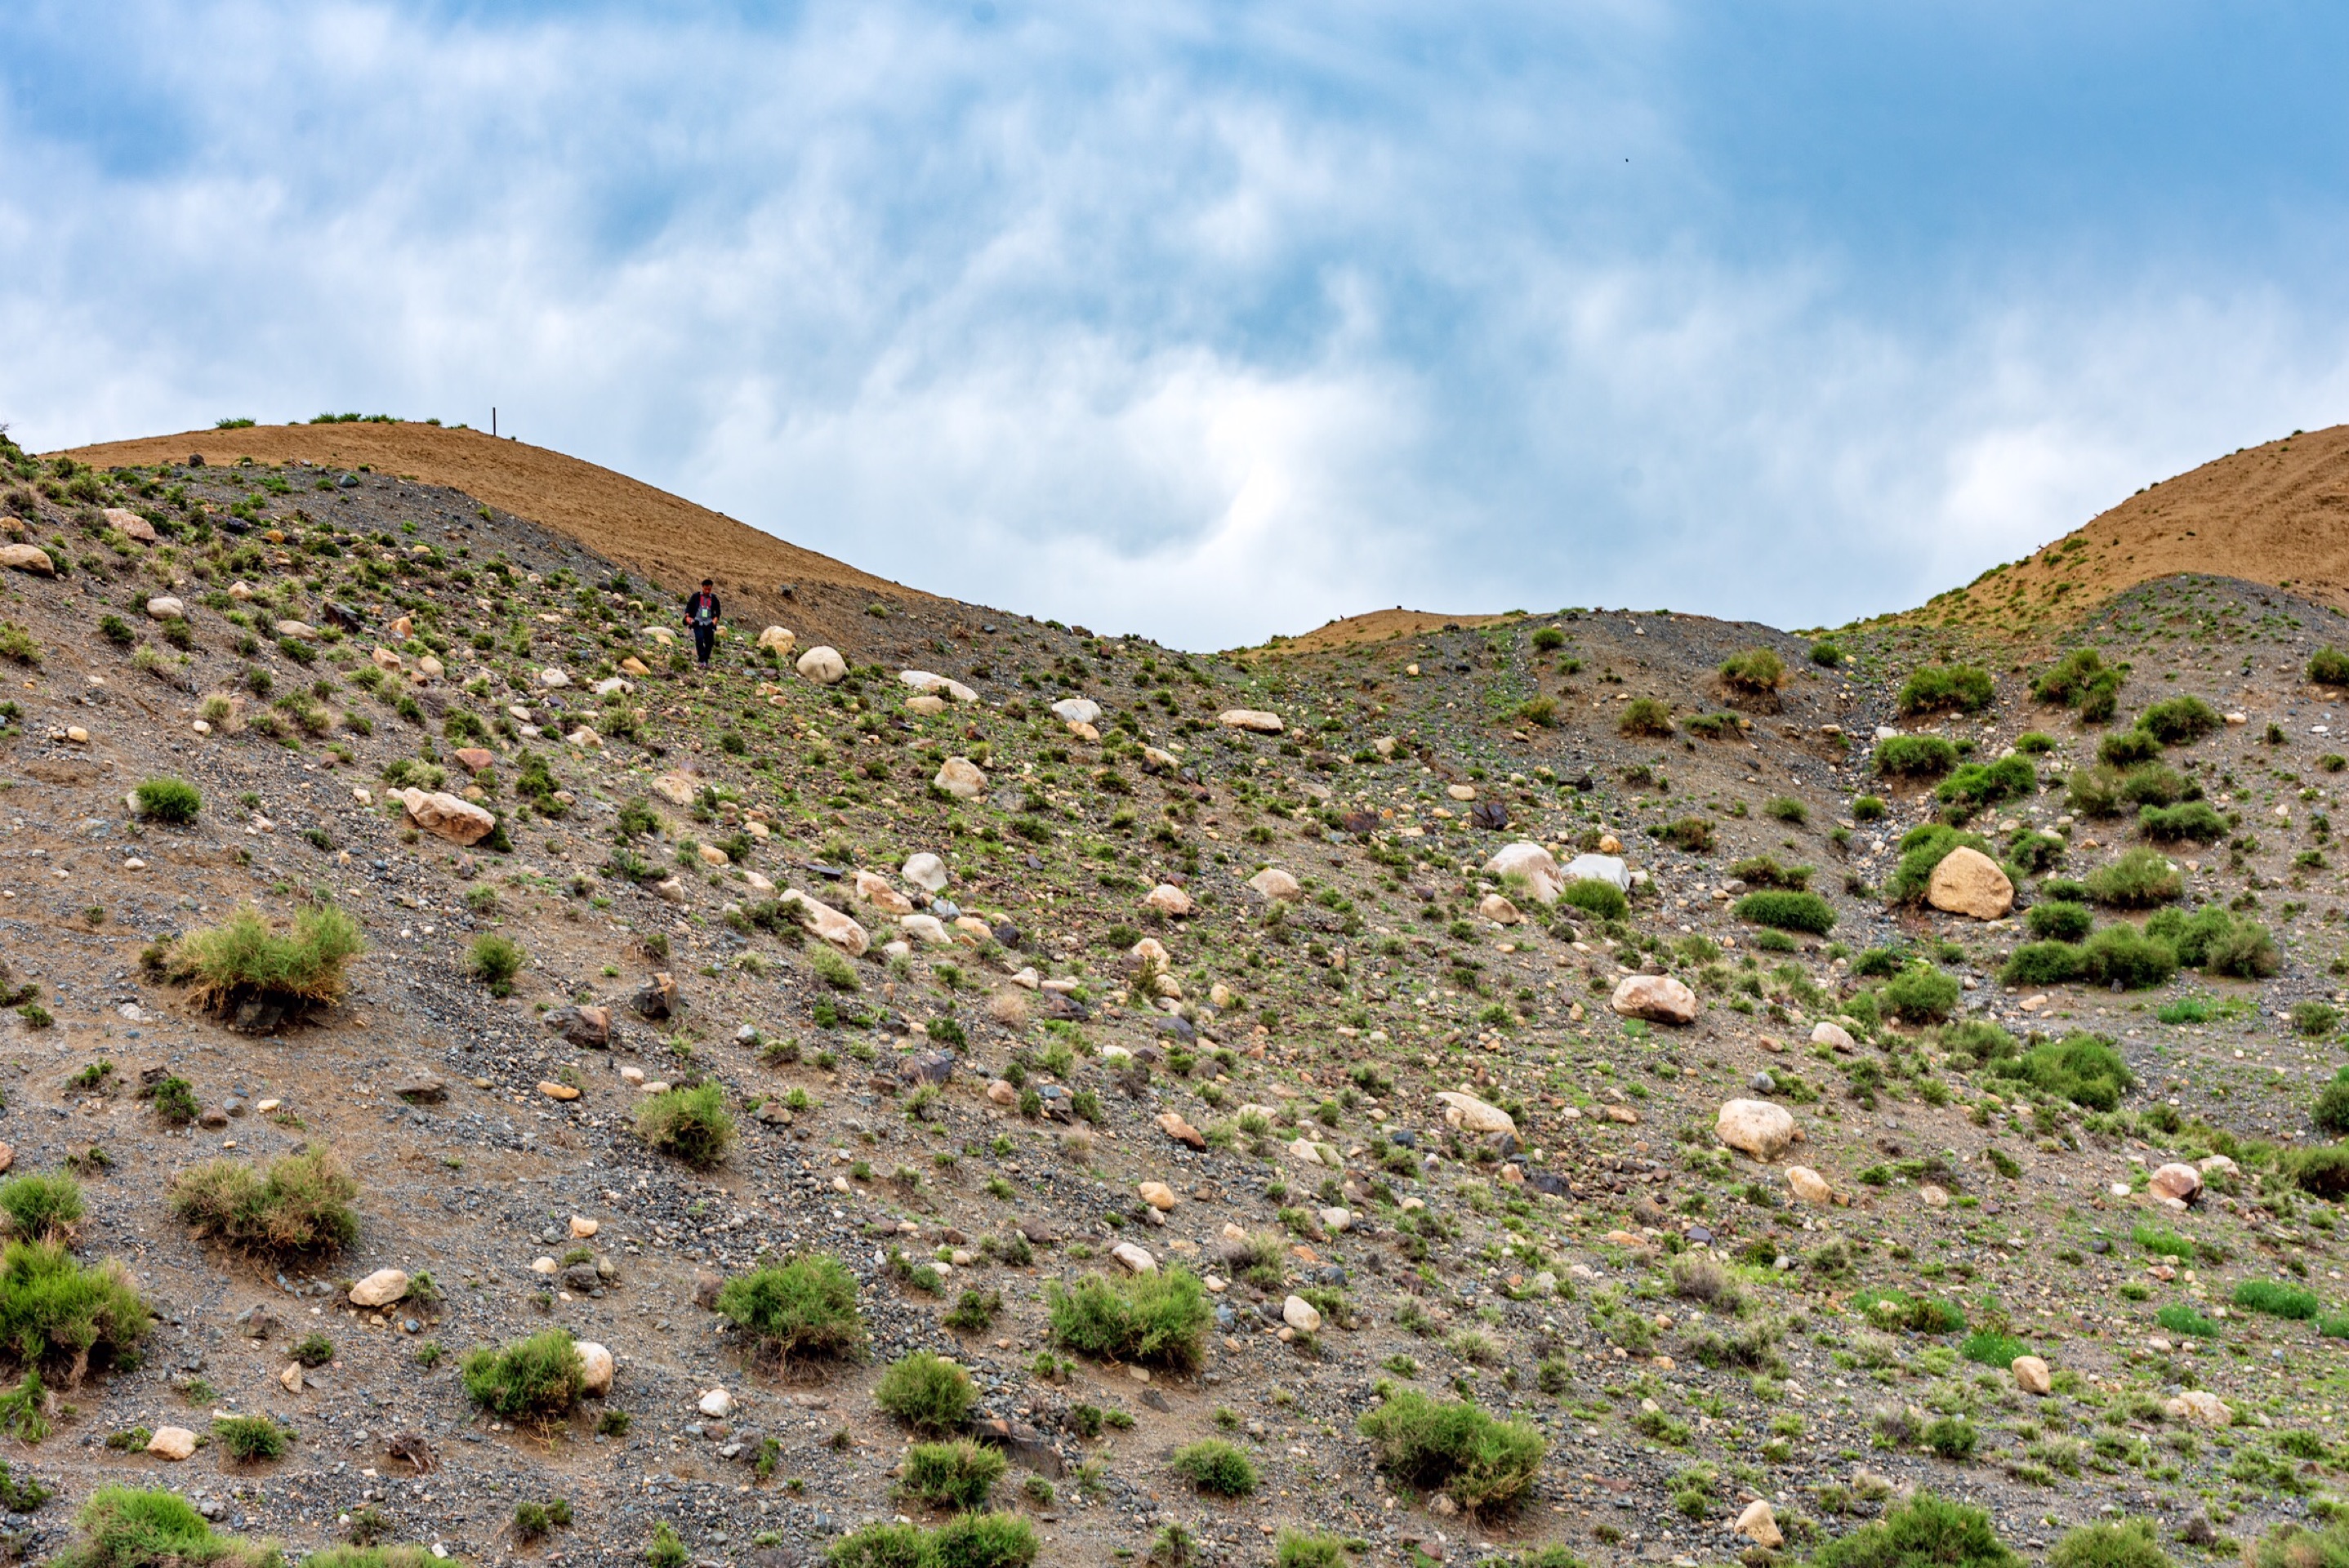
column 1756, row 1126
column 299, row 631
column 1465, row 1112
column 1532, row 863
column 1835, row 1037
column 875, row 889
column 553, row 678
column 1600, row 868
column 2201, row 1406
column 2031, row 1375
column 937, row 686
column 927, row 928
column 1168, row 900
column 1172, row 1124
column 1158, row 1195
column 961, row 777
column 132, row 525
column 925, row 871
column 1759, row 1524
column 1134, row 1258
column 1077, row 710
column 172, row 1443
column 1251, row 718
column 446, row 816
column 586, row 1025
column 163, row 607
column 597, row 1362
column 27, row 558
column 1808, row 1185
column 380, row 1288
column 1969, row 882
column 828, row 923
column 1277, row 884
column 1658, row 998
column 781, row 639
column 1300, row 1315
column 1498, row 910
column 2179, row 1183
column 822, row 665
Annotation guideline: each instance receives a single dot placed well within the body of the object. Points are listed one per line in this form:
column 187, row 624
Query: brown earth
column 649, row 531
column 1375, row 626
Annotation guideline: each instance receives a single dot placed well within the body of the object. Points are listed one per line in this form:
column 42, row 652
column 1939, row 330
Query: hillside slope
column 650, row 531
column 2277, row 513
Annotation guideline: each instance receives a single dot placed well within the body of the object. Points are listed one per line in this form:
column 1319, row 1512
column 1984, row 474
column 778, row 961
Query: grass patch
column 2276, row 1300
column 692, row 1124
column 247, row 1438
column 41, row 1208
column 806, row 1307
column 57, row 1312
column 168, row 800
column 2083, row 1068
column 1926, row 1532
column 303, row 1204
column 971, row 1540
column 1215, row 1467
column 1602, row 899
column 494, row 961
column 227, row 965
column 1914, row 757
column 123, row 1527
column 1456, row 1446
column 2140, row 879
column 1159, row 1318
column 536, row 1379
column 2127, row 1544
column 1785, row 911
column 2179, row 1318
column 927, row 1392
column 953, row 1475
column 1946, row 688
column 1991, row 1349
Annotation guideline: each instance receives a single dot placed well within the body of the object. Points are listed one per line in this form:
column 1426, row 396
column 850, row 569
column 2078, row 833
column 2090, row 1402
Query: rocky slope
column 1156, row 1046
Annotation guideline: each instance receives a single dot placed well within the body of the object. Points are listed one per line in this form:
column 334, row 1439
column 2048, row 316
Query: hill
column 2276, row 513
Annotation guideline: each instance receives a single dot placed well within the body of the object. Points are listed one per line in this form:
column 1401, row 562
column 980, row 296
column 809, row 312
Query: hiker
column 701, row 615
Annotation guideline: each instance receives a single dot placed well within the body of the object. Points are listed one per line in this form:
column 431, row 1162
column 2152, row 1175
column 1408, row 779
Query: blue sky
column 1215, row 321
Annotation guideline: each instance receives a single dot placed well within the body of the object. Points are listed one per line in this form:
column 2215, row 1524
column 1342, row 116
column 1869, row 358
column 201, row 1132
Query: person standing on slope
column 701, row 615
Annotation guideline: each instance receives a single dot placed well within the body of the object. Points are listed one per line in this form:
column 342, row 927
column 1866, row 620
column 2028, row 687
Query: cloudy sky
column 1211, row 321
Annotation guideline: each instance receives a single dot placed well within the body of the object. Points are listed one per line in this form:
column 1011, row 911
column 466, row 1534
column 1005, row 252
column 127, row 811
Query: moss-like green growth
column 806, row 1307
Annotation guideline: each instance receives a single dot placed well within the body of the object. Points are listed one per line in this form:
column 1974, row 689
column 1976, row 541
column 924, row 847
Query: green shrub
column 2043, row 963
column 1757, row 672
column 41, row 1208
column 244, row 1438
column 833, row 967
column 1991, row 1348
column 1455, row 1446
column 2329, row 667
column 2063, row 683
column 2189, row 819
column 1786, row 809
column 1867, row 808
column 927, row 1392
column 690, row 1123
column 2155, row 784
column 1787, row 911
column 2179, row 1318
column 1922, row 994
column 1215, row 1467
column 805, row 1307
column 2140, row 879
column 2178, row 721
column 2094, row 792
column 227, row 965
column 2127, row 748
column 1159, row 1317
column 957, row 1475
column 536, row 1379
column 1827, row 653
column 1977, row 1042
column 1942, row 688
column 2276, row 1300
column 2322, row 1171
column 982, row 1540
column 1297, row 1549
column 2120, row 955
column 1600, row 900
column 1914, row 757
column 2035, row 743
column 1926, row 1532
column 1952, row 1437
column 2080, row 1068
column 121, row 1527
column 1978, row 785
column 1547, row 639
column 2059, row 920
column 2213, row 939
column 1917, row 1314
column 175, row 1101
column 304, row 1204
column 168, row 800
column 494, row 961
column 2297, row 1546
column 2332, row 1112
column 881, row 1546
column 57, row 1313
column 666, row 1551
column 1645, row 716
column 2314, row 1019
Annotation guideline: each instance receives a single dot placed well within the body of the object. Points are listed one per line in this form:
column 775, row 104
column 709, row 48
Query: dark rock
column 1403, row 1137
column 1054, row 1005
column 656, row 998
column 1009, row 935
column 1023, row 1445
column 1490, row 815
column 1178, row 1027
column 1154, row 1399
column 342, row 615
column 214, row 1117
column 587, row 1025
column 255, row 1016
column 1359, row 822
column 1037, row 1233
column 258, row 1322
column 1551, row 1182
column 928, row 1068
column 583, row 1278
column 424, row 1089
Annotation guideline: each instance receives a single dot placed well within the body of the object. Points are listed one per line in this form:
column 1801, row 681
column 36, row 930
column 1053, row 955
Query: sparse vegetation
column 302, row 1203
column 537, row 1379
column 1480, row 1462
column 805, row 1308
column 1154, row 1319
column 691, row 1124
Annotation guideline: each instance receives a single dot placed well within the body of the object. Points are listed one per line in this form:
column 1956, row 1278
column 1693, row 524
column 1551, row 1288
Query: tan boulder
column 1498, row 910
column 712, row 856
column 1970, row 883
column 1466, row 1113
column 380, row 1288
column 553, row 1090
column 473, row 758
column 1301, row 1315
column 961, row 777
column 596, row 1362
column 1755, row 1127
column 1181, row 1131
column 779, row 639
column 582, row 1227
column 27, row 558
column 173, row 1443
column 1659, row 998
column 937, row 686
column 132, row 525
column 1134, row 1259
column 1808, row 1185
column 1158, row 1195
column 299, row 631
column 676, row 788
column 925, row 871
column 1168, row 900
column 1250, row 719
column 822, row 665
column 2201, row 1406
column 829, row 925
column 2181, row 1183
column 291, row 1379
column 1835, row 1037
column 386, row 660
column 1529, row 861
column 635, row 666
column 1759, row 1524
column 874, row 890
column 1274, row 883
column 446, row 816
column 163, row 607
column 2031, row 1375
column 926, row 928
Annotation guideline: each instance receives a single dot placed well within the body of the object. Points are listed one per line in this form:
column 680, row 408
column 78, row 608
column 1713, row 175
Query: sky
column 1209, row 322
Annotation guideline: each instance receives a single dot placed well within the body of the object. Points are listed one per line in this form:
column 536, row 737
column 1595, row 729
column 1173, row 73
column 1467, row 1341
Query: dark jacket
column 694, row 606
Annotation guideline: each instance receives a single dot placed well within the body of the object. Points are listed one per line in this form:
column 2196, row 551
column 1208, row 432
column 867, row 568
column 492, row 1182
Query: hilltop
column 1751, row 1081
